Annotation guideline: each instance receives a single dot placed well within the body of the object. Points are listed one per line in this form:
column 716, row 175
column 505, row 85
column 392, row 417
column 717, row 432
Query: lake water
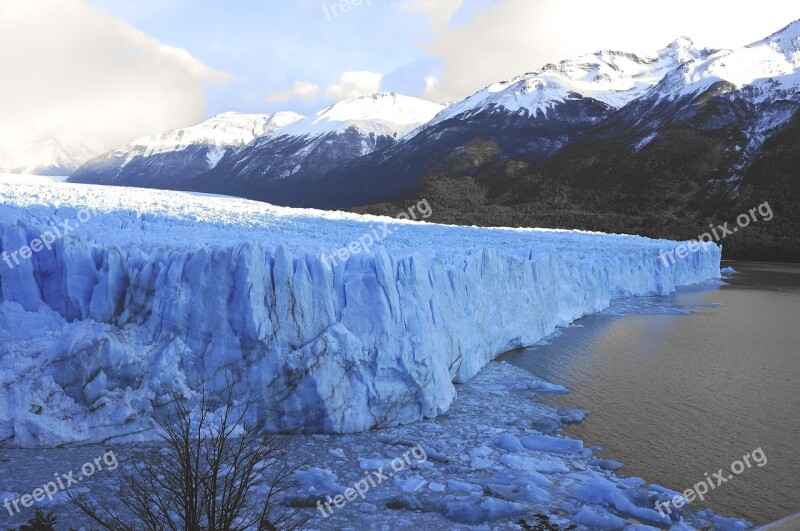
column 684, row 385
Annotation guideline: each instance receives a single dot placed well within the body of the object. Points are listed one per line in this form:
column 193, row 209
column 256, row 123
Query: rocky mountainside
column 532, row 116
column 170, row 158
column 284, row 167
column 711, row 140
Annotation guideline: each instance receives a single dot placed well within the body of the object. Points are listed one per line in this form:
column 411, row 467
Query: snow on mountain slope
column 381, row 114
column 152, row 293
column 168, row 159
column 531, row 117
column 753, row 90
column 299, row 155
column 230, row 129
column 45, row 156
column 613, row 78
column 770, row 65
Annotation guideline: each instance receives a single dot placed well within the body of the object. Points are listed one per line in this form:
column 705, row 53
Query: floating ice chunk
column 682, row 526
column 434, row 455
column 374, row 464
column 572, row 416
column 524, row 493
column 603, row 491
column 545, row 464
column 509, row 443
column 505, row 477
column 664, row 490
column 409, row 485
column 463, row 486
column 481, row 451
column 598, row 519
column 727, row 271
column 597, row 491
column 722, row 523
column 480, row 510
column 436, row 487
column 317, row 482
column 546, row 443
column 547, row 387
column 606, row 464
column 480, row 463
column 632, row 481
column 336, row 452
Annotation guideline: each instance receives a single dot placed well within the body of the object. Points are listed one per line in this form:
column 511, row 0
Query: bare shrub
column 211, row 471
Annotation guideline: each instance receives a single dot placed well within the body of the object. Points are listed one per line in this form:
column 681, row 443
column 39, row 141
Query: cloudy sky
column 106, row 71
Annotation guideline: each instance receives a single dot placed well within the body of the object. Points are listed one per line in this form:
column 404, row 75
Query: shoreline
column 497, row 456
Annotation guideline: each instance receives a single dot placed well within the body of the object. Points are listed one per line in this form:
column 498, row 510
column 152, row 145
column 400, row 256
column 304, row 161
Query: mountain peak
column 791, row 31
column 682, row 42
column 682, row 50
column 227, row 129
column 771, row 64
column 377, row 96
column 381, row 112
column 611, row 77
column 786, row 40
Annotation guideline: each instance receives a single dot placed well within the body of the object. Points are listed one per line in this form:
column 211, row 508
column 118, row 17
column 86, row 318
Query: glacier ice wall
column 162, row 293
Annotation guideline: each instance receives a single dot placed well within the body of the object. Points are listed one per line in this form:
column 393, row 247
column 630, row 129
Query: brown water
column 683, row 385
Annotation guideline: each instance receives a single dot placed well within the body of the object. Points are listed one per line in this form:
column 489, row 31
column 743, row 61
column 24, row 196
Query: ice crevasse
column 153, row 293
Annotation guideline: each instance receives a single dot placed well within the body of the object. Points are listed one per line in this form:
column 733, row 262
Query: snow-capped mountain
column 532, row 116
column 768, row 67
column 382, row 115
column 309, row 148
column 733, row 100
column 45, row 156
column 169, row 158
column 611, row 77
column 595, row 115
column 716, row 137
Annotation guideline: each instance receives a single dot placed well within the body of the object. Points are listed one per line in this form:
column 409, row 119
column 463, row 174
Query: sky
column 106, row 71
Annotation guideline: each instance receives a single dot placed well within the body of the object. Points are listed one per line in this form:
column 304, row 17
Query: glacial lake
column 684, row 385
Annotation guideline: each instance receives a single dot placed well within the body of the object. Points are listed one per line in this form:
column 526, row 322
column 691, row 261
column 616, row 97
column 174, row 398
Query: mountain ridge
column 687, row 122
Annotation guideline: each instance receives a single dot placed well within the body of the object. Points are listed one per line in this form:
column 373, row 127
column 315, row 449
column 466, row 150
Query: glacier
column 152, row 294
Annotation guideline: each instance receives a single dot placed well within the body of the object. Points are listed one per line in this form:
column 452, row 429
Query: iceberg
column 149, row 294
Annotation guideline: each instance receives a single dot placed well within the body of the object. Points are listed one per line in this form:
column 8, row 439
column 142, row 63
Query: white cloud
column 517, row 36
column 301, row 89
column 354, row 84
column 78, row 75
column 432, row 89
column 438, row 11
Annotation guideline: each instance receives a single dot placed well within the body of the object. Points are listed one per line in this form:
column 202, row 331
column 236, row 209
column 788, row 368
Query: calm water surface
column 683, row 385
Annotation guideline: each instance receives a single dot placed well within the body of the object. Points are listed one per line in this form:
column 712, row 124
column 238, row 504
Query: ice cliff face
column 154, row 293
